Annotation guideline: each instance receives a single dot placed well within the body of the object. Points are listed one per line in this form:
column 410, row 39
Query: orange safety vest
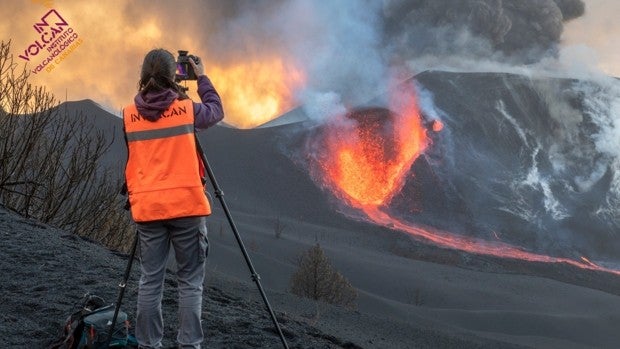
column 163, row 169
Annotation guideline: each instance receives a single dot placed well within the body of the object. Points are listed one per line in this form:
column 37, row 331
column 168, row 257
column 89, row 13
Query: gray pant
column 188, row 237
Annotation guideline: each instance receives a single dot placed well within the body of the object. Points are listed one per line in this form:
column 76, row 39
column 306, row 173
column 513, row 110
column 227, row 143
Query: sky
column 598, row 32
column 263, row 60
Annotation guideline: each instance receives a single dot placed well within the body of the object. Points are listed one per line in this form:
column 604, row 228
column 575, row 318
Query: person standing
column 166, row 192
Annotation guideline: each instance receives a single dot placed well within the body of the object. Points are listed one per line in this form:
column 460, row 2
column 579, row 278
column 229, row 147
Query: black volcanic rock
column 47, row 271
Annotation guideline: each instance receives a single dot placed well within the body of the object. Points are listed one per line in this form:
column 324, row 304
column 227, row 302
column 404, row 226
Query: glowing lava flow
column 365, row 157
column 475, row 245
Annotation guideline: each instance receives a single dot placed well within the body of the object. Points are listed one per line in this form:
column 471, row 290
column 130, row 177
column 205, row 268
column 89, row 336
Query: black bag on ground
column 88, row 327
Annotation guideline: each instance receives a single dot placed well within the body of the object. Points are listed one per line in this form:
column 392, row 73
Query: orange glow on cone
column 256, row 91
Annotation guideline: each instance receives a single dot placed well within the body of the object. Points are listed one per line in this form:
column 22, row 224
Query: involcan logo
column 55, row 41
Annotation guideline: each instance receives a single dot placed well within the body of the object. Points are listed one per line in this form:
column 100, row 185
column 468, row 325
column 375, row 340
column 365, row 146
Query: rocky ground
column 47, row 271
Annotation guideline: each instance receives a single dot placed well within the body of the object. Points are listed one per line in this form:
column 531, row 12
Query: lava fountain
column 364, row 158
column 371, row 150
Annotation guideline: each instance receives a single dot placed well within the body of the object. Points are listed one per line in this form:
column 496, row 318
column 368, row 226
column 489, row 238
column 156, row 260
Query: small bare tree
column 317, row 279
column 50, row 162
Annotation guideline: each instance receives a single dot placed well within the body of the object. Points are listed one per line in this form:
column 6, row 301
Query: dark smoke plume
column 523, row 31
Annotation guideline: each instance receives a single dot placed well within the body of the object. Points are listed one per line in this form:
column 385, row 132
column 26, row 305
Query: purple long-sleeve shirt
column 206, row 114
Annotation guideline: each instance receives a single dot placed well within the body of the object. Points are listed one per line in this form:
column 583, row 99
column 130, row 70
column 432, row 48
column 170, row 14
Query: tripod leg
column 220, row 195
column 122, row 287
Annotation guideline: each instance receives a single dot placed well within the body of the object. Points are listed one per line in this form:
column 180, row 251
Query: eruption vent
column 369, row 151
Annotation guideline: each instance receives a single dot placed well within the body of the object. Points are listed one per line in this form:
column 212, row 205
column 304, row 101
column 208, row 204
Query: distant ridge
column 88, row 105
column 293, row 116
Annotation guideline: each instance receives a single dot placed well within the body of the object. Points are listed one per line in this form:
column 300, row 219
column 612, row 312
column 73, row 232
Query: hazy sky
column 259, row 58
column 598, row 30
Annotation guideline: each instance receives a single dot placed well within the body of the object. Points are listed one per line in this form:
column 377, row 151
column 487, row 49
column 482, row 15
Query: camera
column 184, row 68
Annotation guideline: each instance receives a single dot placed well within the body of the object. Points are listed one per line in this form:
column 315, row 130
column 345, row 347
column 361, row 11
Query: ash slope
column 526, row 160
column 46, row 271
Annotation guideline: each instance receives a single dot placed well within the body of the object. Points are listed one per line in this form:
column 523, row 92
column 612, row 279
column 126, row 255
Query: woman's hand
column 199, row 69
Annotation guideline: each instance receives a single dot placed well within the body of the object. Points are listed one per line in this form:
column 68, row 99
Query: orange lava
column 368, row 165
column 437, row 126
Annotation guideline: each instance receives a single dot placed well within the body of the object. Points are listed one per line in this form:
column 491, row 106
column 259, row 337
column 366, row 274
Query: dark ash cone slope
column 519, row 159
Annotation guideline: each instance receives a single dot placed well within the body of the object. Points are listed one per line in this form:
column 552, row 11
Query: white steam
column 337, row 44
column 343, row 60
column 322, row 106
